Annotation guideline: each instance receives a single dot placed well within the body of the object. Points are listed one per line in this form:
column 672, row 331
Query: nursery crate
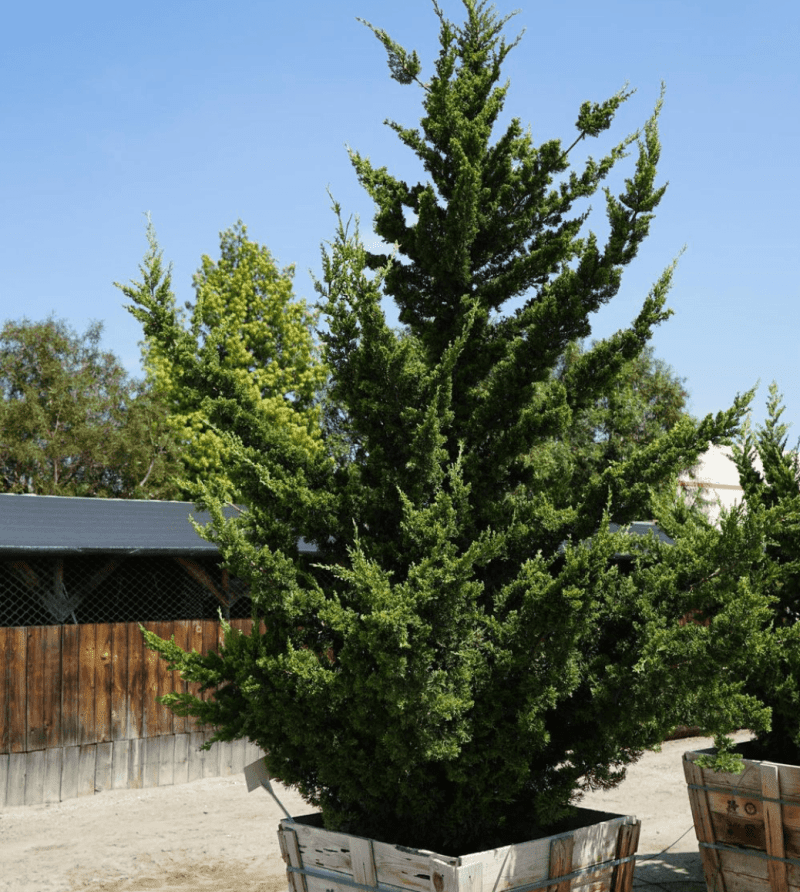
column 598, row 857
column 747, row 825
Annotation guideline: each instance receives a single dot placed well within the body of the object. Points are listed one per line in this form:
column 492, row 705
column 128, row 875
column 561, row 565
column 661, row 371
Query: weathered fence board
column 35, row 739
column 86, row 684
column 16, row 648
column 134, row 694
column 70, row 690
column 63, row 686
column 78, row 713
column 52, row 687
column 119, row 681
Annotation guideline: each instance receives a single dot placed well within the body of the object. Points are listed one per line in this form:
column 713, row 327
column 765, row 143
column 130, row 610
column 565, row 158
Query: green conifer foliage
column 247, row 321
column 465, row 656
column 769, row 473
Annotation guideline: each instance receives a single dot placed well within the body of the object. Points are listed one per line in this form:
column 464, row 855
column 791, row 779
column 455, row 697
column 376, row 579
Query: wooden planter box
column 747, row 825
column 598, row 857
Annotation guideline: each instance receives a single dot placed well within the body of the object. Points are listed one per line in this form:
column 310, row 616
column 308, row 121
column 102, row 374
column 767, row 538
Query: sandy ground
column 213, row 835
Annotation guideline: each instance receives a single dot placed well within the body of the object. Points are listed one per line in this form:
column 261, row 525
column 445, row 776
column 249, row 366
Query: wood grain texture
column 119, row 681
column 52, row 686
column 560, row 863
column 773, row 827
column 70, row 678
column 134, row 693
column 16, row 642
column 103, row 663
column 86, row 681
column 506, row 868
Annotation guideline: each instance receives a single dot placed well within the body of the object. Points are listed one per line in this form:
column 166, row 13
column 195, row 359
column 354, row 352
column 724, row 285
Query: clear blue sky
column 204, row 113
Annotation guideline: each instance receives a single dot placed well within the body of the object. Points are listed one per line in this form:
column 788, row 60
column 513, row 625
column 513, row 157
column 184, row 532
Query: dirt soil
column 213, row 835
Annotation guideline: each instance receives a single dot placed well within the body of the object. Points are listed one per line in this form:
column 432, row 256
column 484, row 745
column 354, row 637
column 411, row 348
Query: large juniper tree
column 462, row 654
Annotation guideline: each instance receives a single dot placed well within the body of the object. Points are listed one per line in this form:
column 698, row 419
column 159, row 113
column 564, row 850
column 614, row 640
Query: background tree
column 245, row 316
column 72, row 423
column 462, row 655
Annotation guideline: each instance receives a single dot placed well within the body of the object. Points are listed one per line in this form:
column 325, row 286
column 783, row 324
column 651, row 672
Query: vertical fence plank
column 16, row 648
column 15, row 792
column 52, row 687
column 4, row 700
column 119, row 681
column 134, row 694
column 35, row 736
column 70, row 764
column 136, row 764
column 119, row 767
column 104, row 755
column 52, row 774
column 70, row 691
column 166, row 761
column 3, row 775
column 102, row 683
column 87, row 759
column 194, row 643
column 86, row 681
column 181, row 763
column 34, row 776
column 164, row 630
column 150, row 709
column 181, row 632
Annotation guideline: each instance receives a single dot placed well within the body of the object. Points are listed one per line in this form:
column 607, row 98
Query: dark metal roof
column 71, row 525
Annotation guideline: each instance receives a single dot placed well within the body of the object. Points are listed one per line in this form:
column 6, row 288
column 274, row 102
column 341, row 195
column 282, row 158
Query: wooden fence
column 78, row 712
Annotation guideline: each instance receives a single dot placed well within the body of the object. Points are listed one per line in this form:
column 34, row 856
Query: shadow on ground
column 672, row 872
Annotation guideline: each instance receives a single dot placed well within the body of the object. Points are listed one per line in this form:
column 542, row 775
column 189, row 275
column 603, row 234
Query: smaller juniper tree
column 464, row 657
column 773, row 491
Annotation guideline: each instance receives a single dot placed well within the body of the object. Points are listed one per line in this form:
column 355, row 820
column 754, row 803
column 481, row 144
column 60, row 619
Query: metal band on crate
column 741, row 850
column 345, row 880
column 729, row 791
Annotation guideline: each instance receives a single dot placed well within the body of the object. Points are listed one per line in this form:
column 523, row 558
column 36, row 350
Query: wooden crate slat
column 103, row 666
column 86, row 684
column 773, row 827
column 363, row 861
column 627, row 843
column 70, row 696
column 561, row 851
column 382, row 865
column 119, row 681
column 290, row 849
